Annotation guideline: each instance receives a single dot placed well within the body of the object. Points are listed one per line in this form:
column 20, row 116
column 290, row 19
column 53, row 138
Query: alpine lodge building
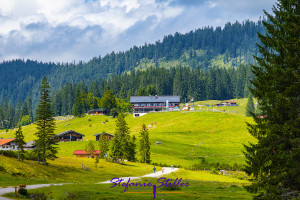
column 142, row 105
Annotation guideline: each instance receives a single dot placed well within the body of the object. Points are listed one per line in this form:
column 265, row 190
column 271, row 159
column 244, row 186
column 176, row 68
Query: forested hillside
column 199, row 49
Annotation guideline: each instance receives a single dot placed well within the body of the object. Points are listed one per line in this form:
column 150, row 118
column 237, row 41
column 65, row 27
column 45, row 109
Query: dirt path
column 167, row 170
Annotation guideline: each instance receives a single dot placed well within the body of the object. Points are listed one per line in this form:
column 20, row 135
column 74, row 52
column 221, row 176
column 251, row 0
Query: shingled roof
column 69, row 131
column 154, row 99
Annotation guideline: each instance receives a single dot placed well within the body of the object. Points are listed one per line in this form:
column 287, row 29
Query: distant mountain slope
column 230, row 46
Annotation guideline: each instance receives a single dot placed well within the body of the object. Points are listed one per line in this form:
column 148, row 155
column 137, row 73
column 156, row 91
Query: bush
column 23, row 192
column 214, row 171
column 2, row 169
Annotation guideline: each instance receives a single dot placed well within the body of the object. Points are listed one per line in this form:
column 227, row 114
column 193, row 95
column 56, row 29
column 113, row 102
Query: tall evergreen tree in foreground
column 250, row 106
column 46, row 141
column 20, row 141
column 145, row 145
column 274, row 161
column 119, row 145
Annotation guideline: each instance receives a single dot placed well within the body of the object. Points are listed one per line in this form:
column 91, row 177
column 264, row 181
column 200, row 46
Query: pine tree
column 250, row 106
column 103, row 144
column 131, row 150
column 119, row 146
column 20, row 141
column 46, row 140
column 274, row 161
column 144, row 145
column 90, row 148
column 108, row 101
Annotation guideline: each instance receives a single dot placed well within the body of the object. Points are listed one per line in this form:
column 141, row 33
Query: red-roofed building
column 8, row 144
column 84, row 153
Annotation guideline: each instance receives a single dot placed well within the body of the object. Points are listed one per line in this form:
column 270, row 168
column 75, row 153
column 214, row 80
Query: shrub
column 2, row 169
column 23, row 192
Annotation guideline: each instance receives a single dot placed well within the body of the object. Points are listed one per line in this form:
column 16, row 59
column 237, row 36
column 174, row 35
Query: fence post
column 16, row 191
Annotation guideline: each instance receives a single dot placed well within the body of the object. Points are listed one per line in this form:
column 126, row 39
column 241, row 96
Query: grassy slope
column 185, row 136
column 67, row 170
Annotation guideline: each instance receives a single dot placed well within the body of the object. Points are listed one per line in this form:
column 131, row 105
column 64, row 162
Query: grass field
column 65, row 170
column 203, row 185
column 186, row 136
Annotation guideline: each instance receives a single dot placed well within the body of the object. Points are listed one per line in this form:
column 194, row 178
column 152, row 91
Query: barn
column 69, row 135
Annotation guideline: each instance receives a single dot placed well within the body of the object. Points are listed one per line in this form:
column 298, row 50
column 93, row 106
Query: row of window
column 153, row 104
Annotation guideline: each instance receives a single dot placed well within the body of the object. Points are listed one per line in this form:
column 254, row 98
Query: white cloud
column 67, row 30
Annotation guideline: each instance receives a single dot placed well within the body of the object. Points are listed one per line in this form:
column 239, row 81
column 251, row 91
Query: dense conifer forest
column 207, row 63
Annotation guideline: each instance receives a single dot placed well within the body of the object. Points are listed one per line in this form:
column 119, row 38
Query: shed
column 108, row 135
column 99, row 111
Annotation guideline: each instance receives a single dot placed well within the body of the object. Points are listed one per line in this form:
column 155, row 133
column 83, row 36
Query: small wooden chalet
column 98, row 111
column 69, row 135
column 8, row 144
column 86, row 154
column 108, row 136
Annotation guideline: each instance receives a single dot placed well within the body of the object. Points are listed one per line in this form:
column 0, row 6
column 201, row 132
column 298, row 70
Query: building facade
column 98, row 111
column 68, row 136
column 142, row 105
column 107, row 135
column 8, row 144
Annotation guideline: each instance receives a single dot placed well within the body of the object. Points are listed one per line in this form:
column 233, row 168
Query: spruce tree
column 90, row 148
column 250, row 106
column 108, row 101
column 20, row 141
column 46, row 140
column 274, row 161
column 131, row 150
column 119, row 145
column 103, row 144
column 144, row 145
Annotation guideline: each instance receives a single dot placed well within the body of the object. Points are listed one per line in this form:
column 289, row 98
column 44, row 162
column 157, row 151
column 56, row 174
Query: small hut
column 98, row 111
column 108, row 136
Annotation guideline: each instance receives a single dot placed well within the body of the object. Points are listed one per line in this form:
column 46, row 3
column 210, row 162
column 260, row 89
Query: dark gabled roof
column 154, row 99
column 98, row 109
column 69, row 131
column 105, row 133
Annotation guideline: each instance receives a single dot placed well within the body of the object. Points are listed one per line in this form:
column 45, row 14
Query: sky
column 73, row 30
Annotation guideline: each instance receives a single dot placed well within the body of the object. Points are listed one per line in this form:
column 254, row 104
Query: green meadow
column 188, row 138
column 185, row 136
